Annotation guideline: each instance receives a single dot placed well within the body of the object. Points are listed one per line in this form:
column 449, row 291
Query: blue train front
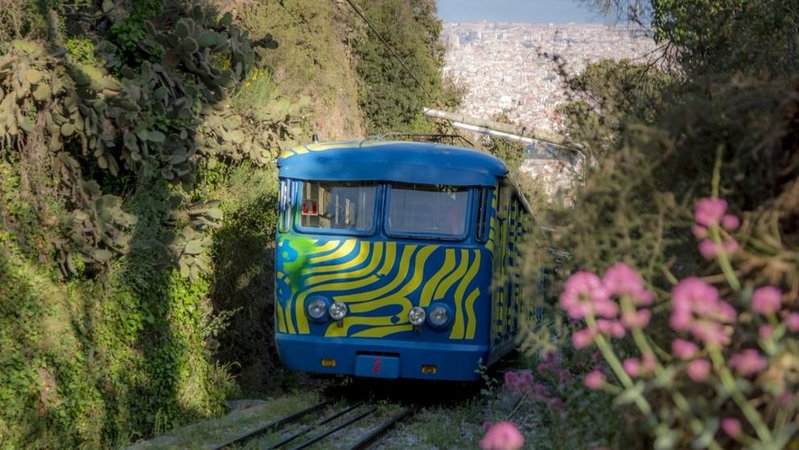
column 385, row 258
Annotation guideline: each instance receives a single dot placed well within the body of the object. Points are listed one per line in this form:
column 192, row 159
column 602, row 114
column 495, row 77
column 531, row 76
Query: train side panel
column 508, row 230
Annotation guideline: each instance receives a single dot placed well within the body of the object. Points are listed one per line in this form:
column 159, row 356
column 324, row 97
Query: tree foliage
column 116, row 132
column 720, row 120
column 392, row 99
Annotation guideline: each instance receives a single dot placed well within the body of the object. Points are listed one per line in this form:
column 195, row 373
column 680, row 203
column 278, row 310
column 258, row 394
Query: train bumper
column 381, row 358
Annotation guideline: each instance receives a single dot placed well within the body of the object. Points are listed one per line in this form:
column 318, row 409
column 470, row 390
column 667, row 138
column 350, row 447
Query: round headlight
column 416, row 316
column 438, row 316
column 338, row 310
column 317, row 309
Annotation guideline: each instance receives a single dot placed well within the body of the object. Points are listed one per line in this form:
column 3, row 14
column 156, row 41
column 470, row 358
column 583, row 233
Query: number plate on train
column 377, row 366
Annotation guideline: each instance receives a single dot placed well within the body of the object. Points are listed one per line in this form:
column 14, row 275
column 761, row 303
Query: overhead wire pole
column 507, row 131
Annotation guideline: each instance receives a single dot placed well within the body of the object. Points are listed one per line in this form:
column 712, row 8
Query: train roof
column 406, row 162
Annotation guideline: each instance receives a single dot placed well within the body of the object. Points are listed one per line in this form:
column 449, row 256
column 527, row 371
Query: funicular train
column 386, row 254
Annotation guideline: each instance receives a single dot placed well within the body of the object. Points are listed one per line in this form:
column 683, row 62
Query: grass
column 223, row 429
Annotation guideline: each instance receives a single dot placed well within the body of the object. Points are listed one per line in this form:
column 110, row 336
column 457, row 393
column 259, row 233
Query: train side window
column 338, row 205
column 484, row 204
column 284, row 206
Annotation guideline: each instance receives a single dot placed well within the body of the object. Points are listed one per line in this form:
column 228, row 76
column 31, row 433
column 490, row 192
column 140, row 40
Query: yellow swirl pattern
column 380, row 282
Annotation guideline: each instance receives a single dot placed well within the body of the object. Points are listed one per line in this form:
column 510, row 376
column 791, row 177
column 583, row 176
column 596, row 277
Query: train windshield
column 415, row 209
column 338, row 205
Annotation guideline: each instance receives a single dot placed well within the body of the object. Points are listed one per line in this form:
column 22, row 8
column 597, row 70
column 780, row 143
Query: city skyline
column 537, row 11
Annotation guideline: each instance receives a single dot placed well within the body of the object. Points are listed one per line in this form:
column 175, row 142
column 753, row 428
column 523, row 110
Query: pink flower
column 595, row 380
column 765, row 331
column 698, row 309
column 539, row 392
column 610, row 327
column 583, row 338
column 710, row 332
column 730, row 246
column 518, row 381
column 748, row 362
column 683, row 349
column 785, row 398
column 709, row 211
column 680, row 320
column 708, row 249
column 730, row 222
column 583, row 295
column 638, row 319
column 731, row 426
column 691, row 291
column 699, row 231
column 632, row 366
column 766, row 300
column 648, row 361
column 502, row 436
column 564, row 376
column 622, row 279
column 793, row 322
column 698, row 369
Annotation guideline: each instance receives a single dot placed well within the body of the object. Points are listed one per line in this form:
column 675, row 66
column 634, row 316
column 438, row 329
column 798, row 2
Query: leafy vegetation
column 392, row 97
column 137, row 193
column 712, row 118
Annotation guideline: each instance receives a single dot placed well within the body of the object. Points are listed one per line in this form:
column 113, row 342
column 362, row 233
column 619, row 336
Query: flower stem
column 728, row 381
column 618, row 370
column 679, row 400
column 724, row 261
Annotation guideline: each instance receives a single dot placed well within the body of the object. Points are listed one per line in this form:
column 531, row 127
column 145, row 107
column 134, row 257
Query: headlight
column 338, row 310
column 438, row 316
column 317, row 309
column 416, row 316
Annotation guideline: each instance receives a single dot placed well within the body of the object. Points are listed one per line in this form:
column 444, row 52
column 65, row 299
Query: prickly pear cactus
column 106, row 120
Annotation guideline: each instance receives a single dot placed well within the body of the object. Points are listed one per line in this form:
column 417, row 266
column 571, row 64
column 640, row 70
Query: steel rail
column 382, row 429
column 334, row 430
column 273, row 425
column 307, row 429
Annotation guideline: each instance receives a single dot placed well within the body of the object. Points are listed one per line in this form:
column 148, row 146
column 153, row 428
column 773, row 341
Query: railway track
column 329, row 425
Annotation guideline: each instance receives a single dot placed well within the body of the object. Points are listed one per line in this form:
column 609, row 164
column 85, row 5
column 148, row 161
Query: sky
column 535, row 11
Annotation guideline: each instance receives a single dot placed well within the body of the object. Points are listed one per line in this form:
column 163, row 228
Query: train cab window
column 425, row 210
column 338, row 205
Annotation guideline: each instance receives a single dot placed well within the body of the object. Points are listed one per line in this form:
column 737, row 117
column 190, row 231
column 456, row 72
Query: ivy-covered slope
column 137, row 198
column 111, row 127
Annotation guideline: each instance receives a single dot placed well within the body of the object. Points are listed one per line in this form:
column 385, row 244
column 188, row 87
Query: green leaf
column 207, row 38
column 156, row 136
column 26, row 124
column 101, row 255
column 41, row 93
column 33, row 76
column 67, row 129
column 194, row 247
column 184, row 269
column 226, row 20
column 215, row 213
column 236, row 136
column 160, row 93
column 189, row 45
